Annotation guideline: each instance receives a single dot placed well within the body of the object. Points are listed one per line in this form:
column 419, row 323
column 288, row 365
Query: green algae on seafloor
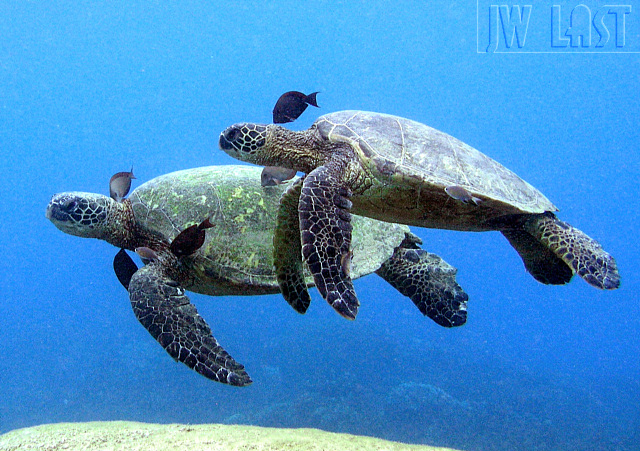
column 131, row 436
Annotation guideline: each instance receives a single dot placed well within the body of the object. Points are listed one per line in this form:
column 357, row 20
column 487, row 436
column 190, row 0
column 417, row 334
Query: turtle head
column 246, row 142
column 272, row 145
column 81, row 214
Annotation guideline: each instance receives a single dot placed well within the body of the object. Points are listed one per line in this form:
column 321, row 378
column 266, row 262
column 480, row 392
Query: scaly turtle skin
column 236, row 257
column 397, row 170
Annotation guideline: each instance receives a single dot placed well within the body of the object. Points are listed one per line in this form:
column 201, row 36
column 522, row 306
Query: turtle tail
column 553, row 251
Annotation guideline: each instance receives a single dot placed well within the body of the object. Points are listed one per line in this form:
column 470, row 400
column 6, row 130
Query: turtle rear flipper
column 544, row 265
column 584, row 255
column 164, row 310
column 287, row 251
column 325, row 225
column 430, row 282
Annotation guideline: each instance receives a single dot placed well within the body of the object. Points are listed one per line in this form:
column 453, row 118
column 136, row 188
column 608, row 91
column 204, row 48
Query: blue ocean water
column 89, row 89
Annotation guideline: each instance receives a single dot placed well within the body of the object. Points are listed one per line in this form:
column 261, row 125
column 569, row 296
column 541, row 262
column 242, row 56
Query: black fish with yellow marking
column 190, row 239
column 120, row 184
column 291, row 105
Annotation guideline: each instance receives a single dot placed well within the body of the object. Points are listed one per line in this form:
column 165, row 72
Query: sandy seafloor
column 133, row 436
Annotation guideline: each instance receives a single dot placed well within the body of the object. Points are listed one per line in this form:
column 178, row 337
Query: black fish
column 190, row 239
column 120, row 184
column 124, row 268
column 274, row 175
column 291, row 105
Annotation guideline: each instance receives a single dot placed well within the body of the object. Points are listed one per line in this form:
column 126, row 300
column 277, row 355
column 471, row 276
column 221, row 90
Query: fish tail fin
column 206, row 224
column 311, row 99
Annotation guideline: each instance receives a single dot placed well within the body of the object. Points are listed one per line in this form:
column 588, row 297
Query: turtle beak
column 54, row 211
column 223, row 143
column 227, row 137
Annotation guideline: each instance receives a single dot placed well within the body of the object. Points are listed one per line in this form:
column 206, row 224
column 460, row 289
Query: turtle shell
column 401, row 152
column 237, row 256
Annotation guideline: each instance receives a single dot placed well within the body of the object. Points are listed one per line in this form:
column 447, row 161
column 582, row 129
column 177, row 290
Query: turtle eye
column 70, row 206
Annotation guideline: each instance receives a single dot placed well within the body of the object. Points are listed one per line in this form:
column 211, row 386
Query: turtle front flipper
column 325, row 225
column 584, row 255
column 287, row 250
column 430, row 282
column 162, row 308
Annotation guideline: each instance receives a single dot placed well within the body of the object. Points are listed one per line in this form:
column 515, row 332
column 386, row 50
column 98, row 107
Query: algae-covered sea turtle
column 399, row 170
column 236, row 257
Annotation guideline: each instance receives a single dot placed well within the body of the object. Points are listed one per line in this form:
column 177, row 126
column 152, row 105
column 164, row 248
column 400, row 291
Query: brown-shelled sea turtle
column 165, row 218
column 399, row 170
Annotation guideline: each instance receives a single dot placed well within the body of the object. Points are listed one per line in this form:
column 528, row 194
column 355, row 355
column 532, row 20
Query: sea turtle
column 395, row 169
column 236, row 257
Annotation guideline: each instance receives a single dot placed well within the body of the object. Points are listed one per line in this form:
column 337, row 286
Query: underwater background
column 88, row 89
